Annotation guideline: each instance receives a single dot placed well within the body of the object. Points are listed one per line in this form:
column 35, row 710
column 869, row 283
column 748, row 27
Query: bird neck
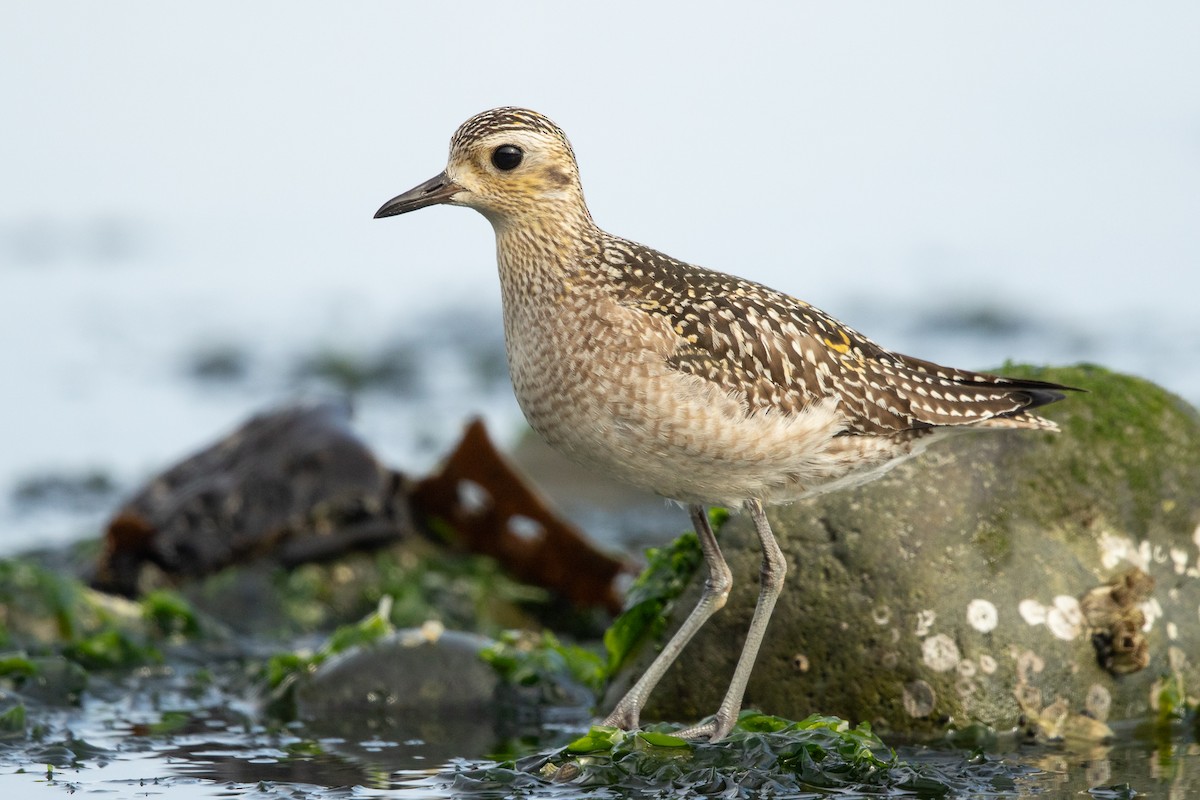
column 542, row 252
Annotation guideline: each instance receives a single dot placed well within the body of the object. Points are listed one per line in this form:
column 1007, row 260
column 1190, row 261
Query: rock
column 56, row 681
column 424, row 671
column 296, row 484
column 456, row 694
column 1002, row 577
column 425, row 683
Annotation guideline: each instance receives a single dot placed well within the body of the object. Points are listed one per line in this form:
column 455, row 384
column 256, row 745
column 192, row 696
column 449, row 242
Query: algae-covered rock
column 1001, row 577
column 413, row 676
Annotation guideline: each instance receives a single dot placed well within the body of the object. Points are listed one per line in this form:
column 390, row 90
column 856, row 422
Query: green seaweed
column 13, row 722
column 170, row 722
column 524, row 659
column 764, row 756
column 48, row 614
column 1172, row 700
column 17, row 667
column 282, row 669
column 463, row 592
column 668, row 571
column 109, row 648
column 31, row 592
column 170, row 614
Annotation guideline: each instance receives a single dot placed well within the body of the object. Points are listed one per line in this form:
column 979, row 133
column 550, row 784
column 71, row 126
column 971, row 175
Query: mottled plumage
column 694, row 384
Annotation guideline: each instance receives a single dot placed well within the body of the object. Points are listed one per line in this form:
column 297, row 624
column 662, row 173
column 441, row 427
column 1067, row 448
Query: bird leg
column 716, row 590
column 774, row 570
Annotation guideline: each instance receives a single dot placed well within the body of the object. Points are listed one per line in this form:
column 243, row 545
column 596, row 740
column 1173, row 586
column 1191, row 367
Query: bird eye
column 507, row 157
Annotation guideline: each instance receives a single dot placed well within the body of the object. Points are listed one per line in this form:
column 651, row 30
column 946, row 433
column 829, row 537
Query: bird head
column 508, row 164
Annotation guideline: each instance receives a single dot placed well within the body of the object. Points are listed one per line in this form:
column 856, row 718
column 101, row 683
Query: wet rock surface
column 1000, row 578
column 432, row 685
column 426, row 684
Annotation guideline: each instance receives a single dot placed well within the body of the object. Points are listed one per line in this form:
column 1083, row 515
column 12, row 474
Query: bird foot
column 697, row 732
column 623, row 719
column 712, row 730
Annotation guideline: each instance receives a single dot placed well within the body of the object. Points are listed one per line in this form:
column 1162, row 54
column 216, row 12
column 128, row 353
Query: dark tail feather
column 1040, row 393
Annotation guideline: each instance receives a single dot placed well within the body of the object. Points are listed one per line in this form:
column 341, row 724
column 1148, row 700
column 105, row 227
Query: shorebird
column 700, row 386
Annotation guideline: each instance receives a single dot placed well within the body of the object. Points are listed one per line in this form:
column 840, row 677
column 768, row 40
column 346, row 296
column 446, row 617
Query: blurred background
column 187, row 192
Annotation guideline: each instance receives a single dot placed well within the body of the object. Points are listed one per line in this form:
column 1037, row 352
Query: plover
column 697, row 385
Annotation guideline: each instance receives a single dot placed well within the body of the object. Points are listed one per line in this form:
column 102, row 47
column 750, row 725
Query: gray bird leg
column 716, row 590
column 774, row 570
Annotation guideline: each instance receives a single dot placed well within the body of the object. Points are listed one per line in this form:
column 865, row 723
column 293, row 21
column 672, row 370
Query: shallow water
column 232, row 763
column 190, row 731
